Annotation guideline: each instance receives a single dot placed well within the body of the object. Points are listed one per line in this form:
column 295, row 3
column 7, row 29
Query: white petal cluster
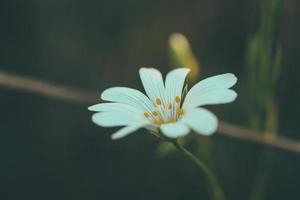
column 164, row 109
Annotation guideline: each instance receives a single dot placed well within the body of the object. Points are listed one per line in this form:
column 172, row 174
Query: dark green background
column 51, row 150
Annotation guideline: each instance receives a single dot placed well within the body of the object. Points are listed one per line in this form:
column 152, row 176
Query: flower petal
column 124, row 132
column 175, row 82
column 114, row 118
column 223, row 81
column 219, row 81
column 201, row 120
column 174, row 130
column 208, row 97
column 153, row 83
column 119, row 107
column 128, row 96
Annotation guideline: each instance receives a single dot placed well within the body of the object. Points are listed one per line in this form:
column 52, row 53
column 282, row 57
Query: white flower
column 164, row 110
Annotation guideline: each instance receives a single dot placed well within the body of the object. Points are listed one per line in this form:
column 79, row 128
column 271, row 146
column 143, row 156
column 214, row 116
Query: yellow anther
column 179, row 111
column 171, row 120
column 158, row 101
column 146, row 114
column 169, row 106
column 154, row 113
column 157, row 122
column 177, row 99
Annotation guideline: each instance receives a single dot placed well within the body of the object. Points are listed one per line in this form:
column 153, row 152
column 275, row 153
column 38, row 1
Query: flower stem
column 215, row 189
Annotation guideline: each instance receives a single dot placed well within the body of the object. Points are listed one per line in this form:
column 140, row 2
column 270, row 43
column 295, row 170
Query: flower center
column 165, row 112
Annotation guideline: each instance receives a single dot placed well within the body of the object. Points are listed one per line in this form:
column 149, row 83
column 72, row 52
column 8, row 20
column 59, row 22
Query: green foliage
column 263, row 63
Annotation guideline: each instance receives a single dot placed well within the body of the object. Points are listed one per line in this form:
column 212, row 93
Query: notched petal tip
column 231, row 79
column 233, row 96
column 234, row 78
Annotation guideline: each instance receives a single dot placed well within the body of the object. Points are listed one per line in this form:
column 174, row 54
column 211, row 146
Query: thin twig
column 266, row 139
column 51, row 90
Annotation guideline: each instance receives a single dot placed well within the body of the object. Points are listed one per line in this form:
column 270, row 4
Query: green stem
column 215, row 189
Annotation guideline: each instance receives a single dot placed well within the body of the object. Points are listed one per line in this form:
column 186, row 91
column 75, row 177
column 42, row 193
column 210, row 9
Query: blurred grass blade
column 264, row 62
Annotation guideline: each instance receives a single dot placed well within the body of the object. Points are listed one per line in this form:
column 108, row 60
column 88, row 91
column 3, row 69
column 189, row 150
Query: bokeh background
column 50, row 149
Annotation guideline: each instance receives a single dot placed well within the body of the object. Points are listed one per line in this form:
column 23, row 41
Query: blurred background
column 50, row 149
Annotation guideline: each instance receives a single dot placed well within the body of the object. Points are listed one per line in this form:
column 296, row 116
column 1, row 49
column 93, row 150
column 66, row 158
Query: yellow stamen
column 154, row 113
column 169, row 106
column 177, row 99
column 179, row 111
column 158, row 101
column 157, row 122
column 171, row 120
column 146, row 114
